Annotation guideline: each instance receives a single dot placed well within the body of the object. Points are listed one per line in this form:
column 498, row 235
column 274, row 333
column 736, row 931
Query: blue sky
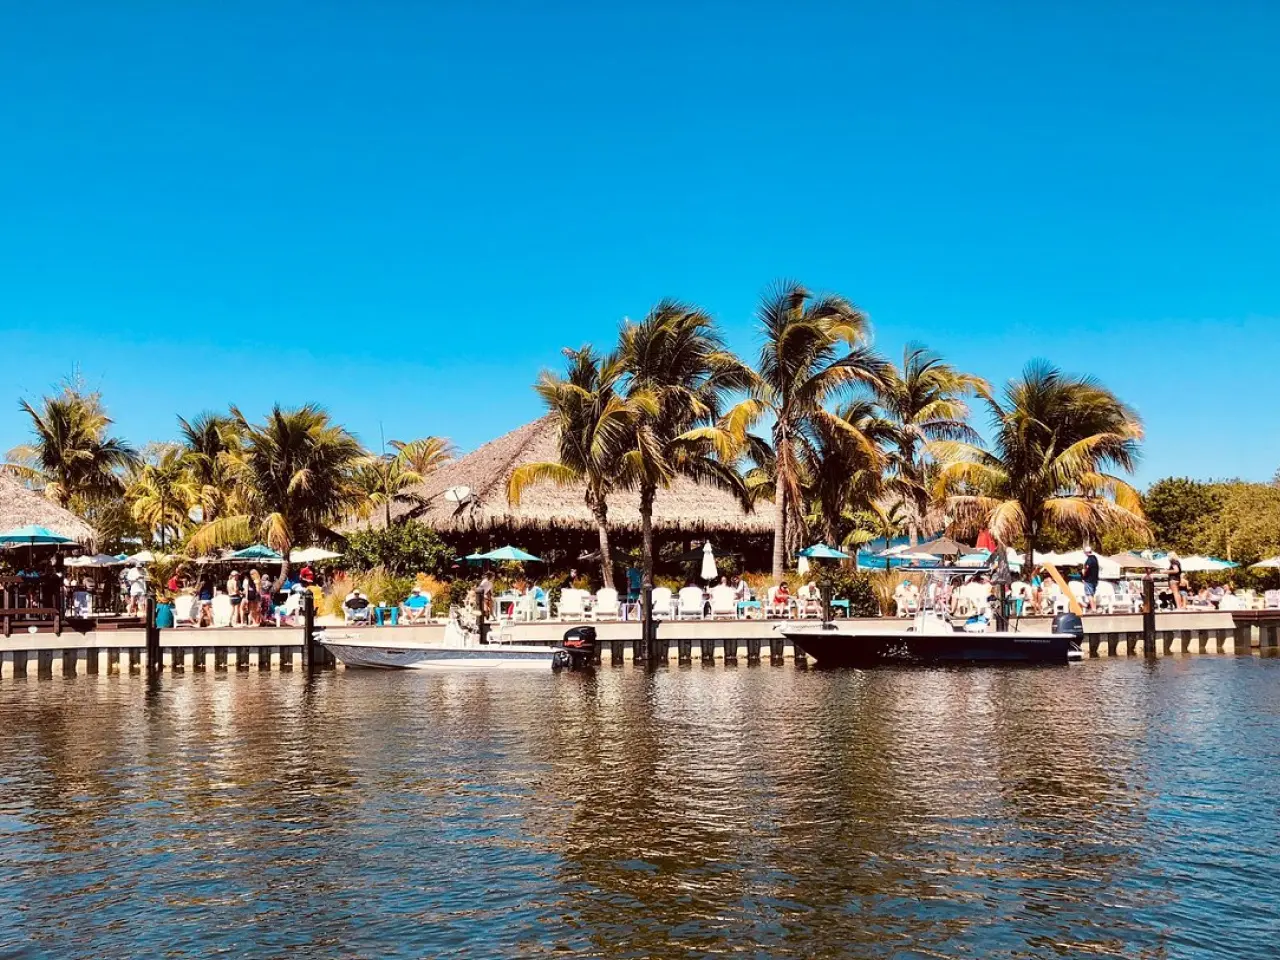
column 404, row 210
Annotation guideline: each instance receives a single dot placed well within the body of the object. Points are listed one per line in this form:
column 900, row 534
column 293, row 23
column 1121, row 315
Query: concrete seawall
column 107, row 652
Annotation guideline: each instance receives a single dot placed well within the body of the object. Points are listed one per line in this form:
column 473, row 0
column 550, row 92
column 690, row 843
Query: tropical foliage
column 925, row 401
column 848, row 448
column 72, row 457
column 815, row 349
column 401, row 549
column 1059, row 446
column 598, row 427
column 295, row 471
column 678, row 373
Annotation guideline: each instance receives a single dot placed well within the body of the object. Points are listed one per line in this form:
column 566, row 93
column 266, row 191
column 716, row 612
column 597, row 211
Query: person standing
column 1090, row 578
column 233, row 591
column 1175, row 580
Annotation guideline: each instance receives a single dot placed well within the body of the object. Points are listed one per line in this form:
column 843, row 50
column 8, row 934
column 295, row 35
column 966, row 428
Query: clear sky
column 403, row 210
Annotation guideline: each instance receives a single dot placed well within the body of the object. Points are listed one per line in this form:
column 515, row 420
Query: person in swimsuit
column 233, row 591
column 1175, row 580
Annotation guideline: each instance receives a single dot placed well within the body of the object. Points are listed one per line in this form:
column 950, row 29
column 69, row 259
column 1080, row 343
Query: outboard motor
column 577, row 649
column 1071, row 624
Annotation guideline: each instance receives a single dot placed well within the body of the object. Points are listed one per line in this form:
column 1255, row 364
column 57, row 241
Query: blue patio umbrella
column 32, row 534
column 820, row 551
column 503, row 554
column 256, row 552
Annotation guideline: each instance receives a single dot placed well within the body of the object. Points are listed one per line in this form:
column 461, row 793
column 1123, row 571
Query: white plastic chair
column 662, row 602
column 222, row 610
column 606, row 605
column 690, row 600
column 724, row 602
column 773, row 606
column 570, row 605
column 1105, row 597
column 184, row 610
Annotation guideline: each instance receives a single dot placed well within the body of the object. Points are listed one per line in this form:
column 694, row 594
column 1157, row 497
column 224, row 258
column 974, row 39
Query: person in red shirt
column 305, row 574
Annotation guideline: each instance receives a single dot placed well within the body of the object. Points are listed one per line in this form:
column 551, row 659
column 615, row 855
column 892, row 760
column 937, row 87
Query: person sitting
column 741, row 590
column 417, row 608
column 901, row 598
column 355, row 607
column 781, row 603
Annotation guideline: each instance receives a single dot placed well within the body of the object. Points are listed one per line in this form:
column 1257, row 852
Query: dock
column 105, row 652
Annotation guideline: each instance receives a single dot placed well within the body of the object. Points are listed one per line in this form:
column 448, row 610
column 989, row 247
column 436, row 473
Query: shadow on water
column 1121, row 808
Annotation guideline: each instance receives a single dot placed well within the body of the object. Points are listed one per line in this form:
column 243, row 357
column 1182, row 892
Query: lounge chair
column 775, row 607
column 808, row 604
column 222, row 610
column 571, row 606
column 606, row 605
column 357, row 610
column 724, row 603
column 184, row 610
column 690, row 604
column 662, row 601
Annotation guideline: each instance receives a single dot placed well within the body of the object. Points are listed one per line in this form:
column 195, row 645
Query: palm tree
column 425, row 455
column 925, row 400
column 675, row 359
column 1057, row 441
column 73, row 458
column 843, row 473
column 162, row 492
column 596, row 429
column 211, row 443
column 382, row 481
column 814, row 350
column 296, row 473
column 415, row 459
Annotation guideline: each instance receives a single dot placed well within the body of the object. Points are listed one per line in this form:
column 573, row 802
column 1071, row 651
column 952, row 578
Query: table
column 745, row 605
column 380, row 611
column 843, row 605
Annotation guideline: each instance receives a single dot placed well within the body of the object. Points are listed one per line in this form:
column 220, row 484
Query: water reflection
column 1121, row 808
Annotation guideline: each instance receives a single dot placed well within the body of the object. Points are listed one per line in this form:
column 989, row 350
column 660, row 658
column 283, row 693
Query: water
column 1117, row 808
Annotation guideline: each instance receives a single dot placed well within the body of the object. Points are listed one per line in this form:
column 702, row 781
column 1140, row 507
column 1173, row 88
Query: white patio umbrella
column 802, row 566
column 709, row 571
column 1198, row 564
column 99, row 560
column 312, row 555
column 1273, row 563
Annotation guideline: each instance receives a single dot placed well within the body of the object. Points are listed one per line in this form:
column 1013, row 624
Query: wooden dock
column 106, row 652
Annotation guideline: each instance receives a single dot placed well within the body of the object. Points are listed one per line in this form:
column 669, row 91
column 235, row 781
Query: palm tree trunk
column 601, row 513
column 648, row 492
column 779, row 535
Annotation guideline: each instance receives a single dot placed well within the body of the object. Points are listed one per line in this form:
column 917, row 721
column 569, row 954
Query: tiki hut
column 20, row 507
column 552, row 519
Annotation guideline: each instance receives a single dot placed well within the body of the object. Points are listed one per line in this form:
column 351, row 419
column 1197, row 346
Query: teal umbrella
column 820, row 551
column 504, row 553
column 256, row 552
column 31, row 534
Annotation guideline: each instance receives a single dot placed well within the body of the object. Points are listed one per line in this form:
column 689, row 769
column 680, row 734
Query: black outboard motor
column 577, row 649
column 1070, row 623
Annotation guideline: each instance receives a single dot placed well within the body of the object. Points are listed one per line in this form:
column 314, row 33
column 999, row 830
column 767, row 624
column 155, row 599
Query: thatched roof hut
column 20, row 506
column 686, row 507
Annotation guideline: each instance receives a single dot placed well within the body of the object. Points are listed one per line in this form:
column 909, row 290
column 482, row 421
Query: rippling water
column 1117, row 808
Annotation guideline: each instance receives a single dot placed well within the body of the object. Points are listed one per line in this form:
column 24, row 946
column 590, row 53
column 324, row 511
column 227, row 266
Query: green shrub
column 847, row 584
column 403, row 549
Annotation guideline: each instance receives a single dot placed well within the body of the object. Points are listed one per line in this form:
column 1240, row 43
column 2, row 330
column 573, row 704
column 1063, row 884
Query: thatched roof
column 20, row 506
column 685, row 506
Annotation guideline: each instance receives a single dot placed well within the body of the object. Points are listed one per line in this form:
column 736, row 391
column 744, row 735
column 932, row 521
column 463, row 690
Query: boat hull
column 840, row 648
column 441, row 656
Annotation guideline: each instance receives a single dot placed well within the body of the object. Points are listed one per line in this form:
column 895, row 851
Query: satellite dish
column 458, row 494
column 196, row 514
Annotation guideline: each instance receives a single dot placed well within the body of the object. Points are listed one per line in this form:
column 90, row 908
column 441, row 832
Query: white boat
column 460, row 648
column 932, row 638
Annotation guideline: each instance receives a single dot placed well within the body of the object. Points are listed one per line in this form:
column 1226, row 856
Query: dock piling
column 1148, row 615
column 154, row 662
